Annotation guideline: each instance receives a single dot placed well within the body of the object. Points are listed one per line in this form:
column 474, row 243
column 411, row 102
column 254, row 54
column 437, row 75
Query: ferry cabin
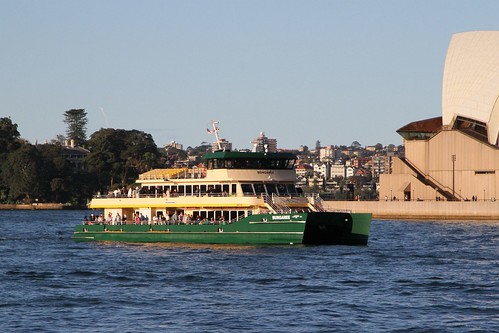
column 233, row 185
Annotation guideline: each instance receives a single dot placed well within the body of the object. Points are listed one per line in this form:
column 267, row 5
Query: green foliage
column 20, row 173
column 118, row 156
column 76, row 120
column 9, row 136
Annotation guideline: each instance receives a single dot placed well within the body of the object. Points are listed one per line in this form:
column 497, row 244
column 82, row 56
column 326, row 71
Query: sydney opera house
column 455, row 156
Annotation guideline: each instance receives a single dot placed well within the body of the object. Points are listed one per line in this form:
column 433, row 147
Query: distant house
column 74, row 154
column 304, row 170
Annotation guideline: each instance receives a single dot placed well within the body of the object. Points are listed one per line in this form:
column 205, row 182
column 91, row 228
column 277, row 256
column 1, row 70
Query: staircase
column 272, row 204
column 429, row 181
column 315, row 202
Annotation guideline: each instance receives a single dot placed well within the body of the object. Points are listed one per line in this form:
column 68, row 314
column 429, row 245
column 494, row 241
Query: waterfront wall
column 424, row 210
column 38, row 206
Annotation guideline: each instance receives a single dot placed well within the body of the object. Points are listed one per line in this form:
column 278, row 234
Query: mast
column 215, row 130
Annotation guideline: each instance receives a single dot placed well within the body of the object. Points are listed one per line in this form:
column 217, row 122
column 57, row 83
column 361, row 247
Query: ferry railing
column 316, row 201
column 270, row 200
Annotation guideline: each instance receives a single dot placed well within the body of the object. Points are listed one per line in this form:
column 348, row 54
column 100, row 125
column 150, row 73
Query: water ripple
column 412, row 277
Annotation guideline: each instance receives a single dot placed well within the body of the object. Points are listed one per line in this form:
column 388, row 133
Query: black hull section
column 331, row 229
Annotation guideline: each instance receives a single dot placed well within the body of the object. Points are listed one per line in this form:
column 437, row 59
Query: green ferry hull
column 333, row 228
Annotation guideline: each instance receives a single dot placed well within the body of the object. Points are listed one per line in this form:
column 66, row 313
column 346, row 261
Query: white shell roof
column 471, row 80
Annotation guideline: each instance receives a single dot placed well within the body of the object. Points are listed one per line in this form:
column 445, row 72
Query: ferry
column 237, row 198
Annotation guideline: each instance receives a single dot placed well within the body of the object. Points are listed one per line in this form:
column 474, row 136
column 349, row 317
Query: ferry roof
column 248, row 155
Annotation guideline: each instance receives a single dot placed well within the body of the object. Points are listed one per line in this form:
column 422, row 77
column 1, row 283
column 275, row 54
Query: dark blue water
column 412, row 277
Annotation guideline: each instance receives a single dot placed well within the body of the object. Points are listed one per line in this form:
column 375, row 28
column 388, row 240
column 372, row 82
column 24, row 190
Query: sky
column 299, row 71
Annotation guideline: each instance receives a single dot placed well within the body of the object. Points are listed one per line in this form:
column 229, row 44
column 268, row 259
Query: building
column 304, row 171
column 323, row 170
column 74, row 154
column 326, row 154
column 175, row 145
column 455, row 156
column 337, row 170
column 224, row 145
column 264, row 144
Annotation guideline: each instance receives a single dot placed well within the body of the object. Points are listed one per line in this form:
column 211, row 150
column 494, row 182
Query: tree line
column 42, row 173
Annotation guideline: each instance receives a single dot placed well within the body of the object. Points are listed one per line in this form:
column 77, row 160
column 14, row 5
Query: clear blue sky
column 300, row 71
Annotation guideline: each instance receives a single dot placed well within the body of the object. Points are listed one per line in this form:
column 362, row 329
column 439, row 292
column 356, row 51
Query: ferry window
column 247, row 189
column 234, row 191
column 203, row 189
column 271, row 188
column 226, row 215
column 240, row 214
column 210, row 164
column 218, row 189
column 173, row 190
column 202, row 214
column 211, row 215
column 291, row 188
column 281, row 188
column 233, row 215
column 195, row 214
column 259, row 189
column 188, row 189
column 180, row 190
column 225, row 189
column 228, row 164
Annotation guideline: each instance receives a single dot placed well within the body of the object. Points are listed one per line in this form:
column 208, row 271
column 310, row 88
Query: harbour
column 412, row 276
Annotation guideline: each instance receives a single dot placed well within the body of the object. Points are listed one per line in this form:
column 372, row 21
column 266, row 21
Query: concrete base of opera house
column 422, row 210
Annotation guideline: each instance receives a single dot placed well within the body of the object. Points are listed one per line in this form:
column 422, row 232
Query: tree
column 317, row 146
column 355, row 144
column 9, row 136
column 20, row 173
column 118, row 156
column 9, row 142
column 76, row 119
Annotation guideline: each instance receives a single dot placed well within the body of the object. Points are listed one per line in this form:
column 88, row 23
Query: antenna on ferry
column 215, row 130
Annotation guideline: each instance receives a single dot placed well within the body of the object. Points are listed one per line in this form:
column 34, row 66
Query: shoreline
column 421, row 210
column 381, row 210
column 39, row 206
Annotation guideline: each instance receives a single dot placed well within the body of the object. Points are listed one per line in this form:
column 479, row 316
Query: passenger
column 109, row 219
column 137, row 218
column 181, row 217
column 142, row 219
column 155, row 219
column 167, row 218
column 100, row 219
column 85, row 220
column 123, row 220
column 187, row 219
column 175, row 218
column 117, row 219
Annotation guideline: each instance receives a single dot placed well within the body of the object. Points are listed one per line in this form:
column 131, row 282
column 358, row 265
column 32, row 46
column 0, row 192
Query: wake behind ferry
column 238, row 198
